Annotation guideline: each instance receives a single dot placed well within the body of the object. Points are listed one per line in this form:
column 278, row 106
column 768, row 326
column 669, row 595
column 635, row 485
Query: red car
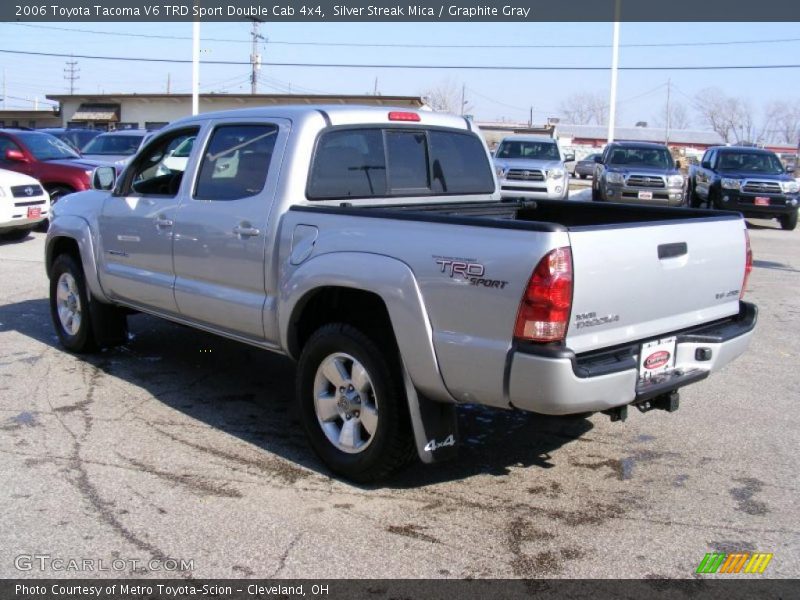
column 58, row 167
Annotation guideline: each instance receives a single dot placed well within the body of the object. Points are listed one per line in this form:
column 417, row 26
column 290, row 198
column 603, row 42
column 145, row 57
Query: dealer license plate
column 34, row 212
column 645, row 195
column 656, row 357
column 762, row 201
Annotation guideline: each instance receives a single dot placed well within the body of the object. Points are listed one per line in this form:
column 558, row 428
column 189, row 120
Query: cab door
column 137, row 226
column 221, row 245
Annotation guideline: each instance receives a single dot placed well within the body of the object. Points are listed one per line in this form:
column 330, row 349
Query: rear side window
column 236, row 162
column 376, row 163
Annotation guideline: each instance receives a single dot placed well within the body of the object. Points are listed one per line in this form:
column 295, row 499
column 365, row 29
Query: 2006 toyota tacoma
column 371, row 246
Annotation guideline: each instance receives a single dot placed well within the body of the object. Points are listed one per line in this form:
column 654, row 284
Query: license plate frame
column 761, row 201
column 657, row 357
column 642, row 195
column 34, row 212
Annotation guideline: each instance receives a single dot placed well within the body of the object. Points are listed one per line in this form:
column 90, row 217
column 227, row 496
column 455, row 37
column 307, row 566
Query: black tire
column 596, row 194
column 57, row 192
column 788, row 221
column 100, row 324
column 15, row 234
column 692, row 199
column 391, row 445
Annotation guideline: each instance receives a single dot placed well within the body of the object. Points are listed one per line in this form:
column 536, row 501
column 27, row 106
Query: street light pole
column 612, row 101
column 195, row 67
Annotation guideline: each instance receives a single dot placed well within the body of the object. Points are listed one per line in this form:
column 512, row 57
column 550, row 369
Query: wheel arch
column 347, row 286
column 72, row 235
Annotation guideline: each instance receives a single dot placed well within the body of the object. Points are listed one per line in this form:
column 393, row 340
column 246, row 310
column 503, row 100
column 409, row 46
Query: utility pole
column 255, row 57
column 530, row 118
column 71, row 74
column 375, row 88
column 4, row 89
column 612, row 101
column 168, row 83
column 463, row 99
column 669, row 113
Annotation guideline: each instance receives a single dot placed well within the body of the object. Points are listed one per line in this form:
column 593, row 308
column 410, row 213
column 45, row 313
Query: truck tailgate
column 641, row 281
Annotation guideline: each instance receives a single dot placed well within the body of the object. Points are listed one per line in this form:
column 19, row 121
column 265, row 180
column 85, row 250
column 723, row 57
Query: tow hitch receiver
column 668, row 402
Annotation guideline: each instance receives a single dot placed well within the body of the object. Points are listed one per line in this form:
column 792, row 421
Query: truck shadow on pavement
column 249, row 394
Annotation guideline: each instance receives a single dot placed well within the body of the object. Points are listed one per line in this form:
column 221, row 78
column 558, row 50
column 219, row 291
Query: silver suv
column 530, row 166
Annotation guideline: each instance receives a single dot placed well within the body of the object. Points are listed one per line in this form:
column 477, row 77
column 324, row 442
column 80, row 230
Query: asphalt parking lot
column 183, row 445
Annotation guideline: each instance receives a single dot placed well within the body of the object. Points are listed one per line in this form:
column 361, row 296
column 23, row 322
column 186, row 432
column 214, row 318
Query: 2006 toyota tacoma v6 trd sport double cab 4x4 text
column 371, row 246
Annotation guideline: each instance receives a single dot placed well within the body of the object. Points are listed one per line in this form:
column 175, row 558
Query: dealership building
column 153, row 111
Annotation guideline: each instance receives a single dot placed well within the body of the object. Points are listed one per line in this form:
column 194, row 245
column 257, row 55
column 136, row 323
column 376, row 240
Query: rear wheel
column 789, row 221
column 353, row 404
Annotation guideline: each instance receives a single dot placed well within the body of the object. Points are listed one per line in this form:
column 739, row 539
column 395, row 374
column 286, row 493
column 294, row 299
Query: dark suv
column 638, row 172
column 55, row 164
column 749, row 180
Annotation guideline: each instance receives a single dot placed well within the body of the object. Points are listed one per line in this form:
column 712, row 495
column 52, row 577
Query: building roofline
column 318, row 98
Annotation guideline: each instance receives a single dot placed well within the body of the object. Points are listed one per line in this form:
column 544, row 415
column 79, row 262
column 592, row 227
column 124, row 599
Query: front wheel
column 69, row 305
column 83, row 323
column 788, row 221
column 15, row 234
column 353, row 405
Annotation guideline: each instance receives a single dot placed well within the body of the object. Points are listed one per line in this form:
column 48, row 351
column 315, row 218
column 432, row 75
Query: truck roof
column 744, row 150
column 631, row 144
column 338, row 115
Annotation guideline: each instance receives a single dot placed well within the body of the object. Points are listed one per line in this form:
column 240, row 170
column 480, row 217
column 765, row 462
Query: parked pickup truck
column 638, row 173
column 749, row 180
column 371, row 246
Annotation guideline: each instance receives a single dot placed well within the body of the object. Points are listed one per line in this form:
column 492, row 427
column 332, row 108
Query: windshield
column 753, row 162
column 529, row 150
column 46, row 147
column 655, row 158
column 110, row 143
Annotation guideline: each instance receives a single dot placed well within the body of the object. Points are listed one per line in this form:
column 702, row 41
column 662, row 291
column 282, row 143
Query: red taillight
column 544, row 310
column 748, row 263
column 397, row 115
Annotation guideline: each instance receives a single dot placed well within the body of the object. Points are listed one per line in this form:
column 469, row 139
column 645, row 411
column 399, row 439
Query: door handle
column 246, row 231
column 161, row 222
column 672, row 250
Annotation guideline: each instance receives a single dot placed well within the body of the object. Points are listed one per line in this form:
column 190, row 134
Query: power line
column 407, row 66
column 405, row 45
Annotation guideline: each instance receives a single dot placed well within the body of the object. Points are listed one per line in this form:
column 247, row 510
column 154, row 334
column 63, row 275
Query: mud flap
column 435, row 425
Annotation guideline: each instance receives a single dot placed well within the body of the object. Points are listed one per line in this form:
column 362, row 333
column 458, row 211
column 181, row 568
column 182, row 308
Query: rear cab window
column 382, row 162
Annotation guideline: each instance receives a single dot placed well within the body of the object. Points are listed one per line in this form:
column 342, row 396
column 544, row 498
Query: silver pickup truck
column 371, row 246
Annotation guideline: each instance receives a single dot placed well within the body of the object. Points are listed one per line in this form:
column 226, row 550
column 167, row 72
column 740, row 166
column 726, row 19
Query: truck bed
column 533, row 215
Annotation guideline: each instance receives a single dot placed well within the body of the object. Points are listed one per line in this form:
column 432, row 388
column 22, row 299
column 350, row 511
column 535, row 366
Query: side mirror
column 598, row 159
column 790, row 168
column 677, row 164
column 705, row 164
column 569, row 157
column 17, row 155
column 103, row 178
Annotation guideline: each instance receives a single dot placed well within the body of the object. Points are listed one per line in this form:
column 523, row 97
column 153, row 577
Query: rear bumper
column 556, row 381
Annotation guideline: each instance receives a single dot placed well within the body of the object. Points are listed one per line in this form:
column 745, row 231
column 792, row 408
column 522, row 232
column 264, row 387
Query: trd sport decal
column 467, row 269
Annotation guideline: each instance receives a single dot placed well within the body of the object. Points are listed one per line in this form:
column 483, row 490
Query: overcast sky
column 492, row 94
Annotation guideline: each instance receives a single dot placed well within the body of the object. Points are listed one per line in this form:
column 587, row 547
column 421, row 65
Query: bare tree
column 446, row 96
column 732, row 118
column 585, row 108
column 678, row 117
column 782, row 122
